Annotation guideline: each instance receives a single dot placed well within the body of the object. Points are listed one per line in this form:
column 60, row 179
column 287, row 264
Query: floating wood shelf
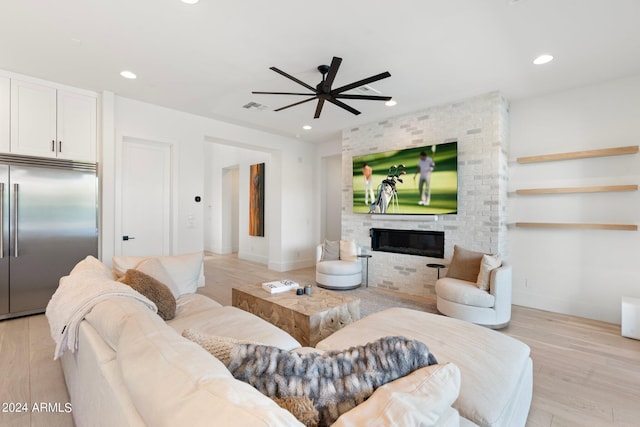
column 622, row 227
column 618, row 151
column 565, row 190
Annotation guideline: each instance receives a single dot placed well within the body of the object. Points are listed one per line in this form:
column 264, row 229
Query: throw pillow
column 153, row 267
column 300, row 407
column 465, row 264
column 335, row 381
column 488, row 264
column 330, row 251
column 348, row 250
column 154, row 290
column 219, row 347
column 419, row 399
column 185, row 270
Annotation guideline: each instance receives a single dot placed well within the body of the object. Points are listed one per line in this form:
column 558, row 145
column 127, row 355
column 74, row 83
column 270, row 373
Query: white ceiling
column 207, row 58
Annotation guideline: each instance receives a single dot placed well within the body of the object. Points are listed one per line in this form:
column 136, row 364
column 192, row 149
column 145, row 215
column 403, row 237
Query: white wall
column 293, row 233
column 578, row 272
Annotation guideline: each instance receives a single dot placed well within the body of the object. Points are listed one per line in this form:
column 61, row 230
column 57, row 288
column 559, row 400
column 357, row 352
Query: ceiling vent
column 367, row 90
column 255, row 106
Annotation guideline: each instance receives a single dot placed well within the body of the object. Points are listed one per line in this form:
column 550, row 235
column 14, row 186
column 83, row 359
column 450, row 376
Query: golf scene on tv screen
column 414, row 181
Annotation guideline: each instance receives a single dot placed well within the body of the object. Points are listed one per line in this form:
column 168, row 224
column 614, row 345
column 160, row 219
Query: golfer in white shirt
column 425, row 166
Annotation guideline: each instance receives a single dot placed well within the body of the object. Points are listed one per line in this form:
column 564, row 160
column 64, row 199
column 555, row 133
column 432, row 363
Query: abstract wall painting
column 256, row 200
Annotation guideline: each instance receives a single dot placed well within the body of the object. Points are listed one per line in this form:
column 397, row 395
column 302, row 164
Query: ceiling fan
column 324, row 92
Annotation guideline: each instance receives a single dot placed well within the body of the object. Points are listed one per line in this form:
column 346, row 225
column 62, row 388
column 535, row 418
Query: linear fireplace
column 410, row 242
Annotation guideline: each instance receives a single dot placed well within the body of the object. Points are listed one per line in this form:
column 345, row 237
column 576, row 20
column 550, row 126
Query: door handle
column 59, row 146
column 125, row 238
column 15, row 219
column 53, row 146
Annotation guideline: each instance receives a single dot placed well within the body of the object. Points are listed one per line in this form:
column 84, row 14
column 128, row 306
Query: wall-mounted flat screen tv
column 413, row 181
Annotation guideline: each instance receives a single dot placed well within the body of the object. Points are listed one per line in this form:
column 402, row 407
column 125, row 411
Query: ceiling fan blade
column 319, row 108
column 331, row 75
column 361, row 82
column 367, row 97
column 284, row 93
column 290, row 77
column 343, row 105
column 297, row 103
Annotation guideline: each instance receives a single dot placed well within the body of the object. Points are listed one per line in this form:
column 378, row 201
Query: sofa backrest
column 173, row 381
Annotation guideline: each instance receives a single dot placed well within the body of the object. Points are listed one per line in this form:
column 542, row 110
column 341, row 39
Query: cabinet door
column 5, row 106
column 33, row 119
column 77, row 130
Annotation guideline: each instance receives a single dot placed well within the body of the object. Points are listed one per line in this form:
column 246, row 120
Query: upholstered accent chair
column 464, row 299
column 340, row 271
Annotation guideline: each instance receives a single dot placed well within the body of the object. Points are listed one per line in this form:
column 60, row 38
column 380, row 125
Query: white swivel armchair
column 464, row 300
column 340, row 274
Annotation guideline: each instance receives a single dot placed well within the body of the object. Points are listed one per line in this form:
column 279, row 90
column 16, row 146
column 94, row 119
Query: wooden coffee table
column 308, row 318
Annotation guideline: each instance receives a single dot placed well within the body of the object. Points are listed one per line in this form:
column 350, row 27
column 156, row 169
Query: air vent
column 255, row 106
column 367, row 90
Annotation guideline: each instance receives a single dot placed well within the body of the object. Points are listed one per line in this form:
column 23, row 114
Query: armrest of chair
column 319, row 249
column 500, row 286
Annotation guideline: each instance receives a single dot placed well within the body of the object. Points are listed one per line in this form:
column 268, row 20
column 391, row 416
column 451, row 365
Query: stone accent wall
column 481, row 127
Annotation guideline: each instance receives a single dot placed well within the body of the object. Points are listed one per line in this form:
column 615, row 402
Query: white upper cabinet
column 33, row 119
column 5, row 104
column 50, row 122
column 77, row 127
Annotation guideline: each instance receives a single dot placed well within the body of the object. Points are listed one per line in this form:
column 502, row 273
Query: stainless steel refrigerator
column 49, row 221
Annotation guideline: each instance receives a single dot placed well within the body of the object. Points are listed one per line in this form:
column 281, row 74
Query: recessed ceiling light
column 307, row 127
column 391, row 103
column 190, row 1
column 543, row 59
column 128, row 74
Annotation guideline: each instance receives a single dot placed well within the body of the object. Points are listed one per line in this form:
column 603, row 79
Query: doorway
column 230, row 210
column 145, row 198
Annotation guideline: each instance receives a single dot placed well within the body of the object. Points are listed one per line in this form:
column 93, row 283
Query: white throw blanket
column 75, row 297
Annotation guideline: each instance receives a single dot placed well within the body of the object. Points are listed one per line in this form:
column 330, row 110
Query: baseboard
column 570, row 307
column 291, row 265
column 261, row 259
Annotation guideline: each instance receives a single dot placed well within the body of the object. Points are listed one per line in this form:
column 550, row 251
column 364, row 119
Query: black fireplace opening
column 409, row 242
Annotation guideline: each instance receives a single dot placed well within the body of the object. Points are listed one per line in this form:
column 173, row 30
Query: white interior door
column 146, row 198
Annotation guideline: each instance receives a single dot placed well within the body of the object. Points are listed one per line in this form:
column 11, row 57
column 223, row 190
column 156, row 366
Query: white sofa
column 338, row 274
column 132, row 368
column 464, row 300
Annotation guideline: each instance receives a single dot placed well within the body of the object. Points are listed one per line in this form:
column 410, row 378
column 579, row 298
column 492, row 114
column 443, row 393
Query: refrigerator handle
column 15, row 220
column 1, row 220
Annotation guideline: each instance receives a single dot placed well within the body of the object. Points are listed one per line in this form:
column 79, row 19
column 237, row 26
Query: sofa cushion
column 152, row 289
column 93, row 267
column 418, row 399
column 235, row 323
column 338, row 268
column 187, row 271
column 465, row 293
column 331, row 250
column 491, row 364
column 465, row 264
column 348, row 251
column 191, row 304
column 487, row 265
column 154, row 268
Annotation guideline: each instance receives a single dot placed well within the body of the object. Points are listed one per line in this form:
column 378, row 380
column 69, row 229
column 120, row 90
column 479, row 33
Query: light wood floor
column 585, row 373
